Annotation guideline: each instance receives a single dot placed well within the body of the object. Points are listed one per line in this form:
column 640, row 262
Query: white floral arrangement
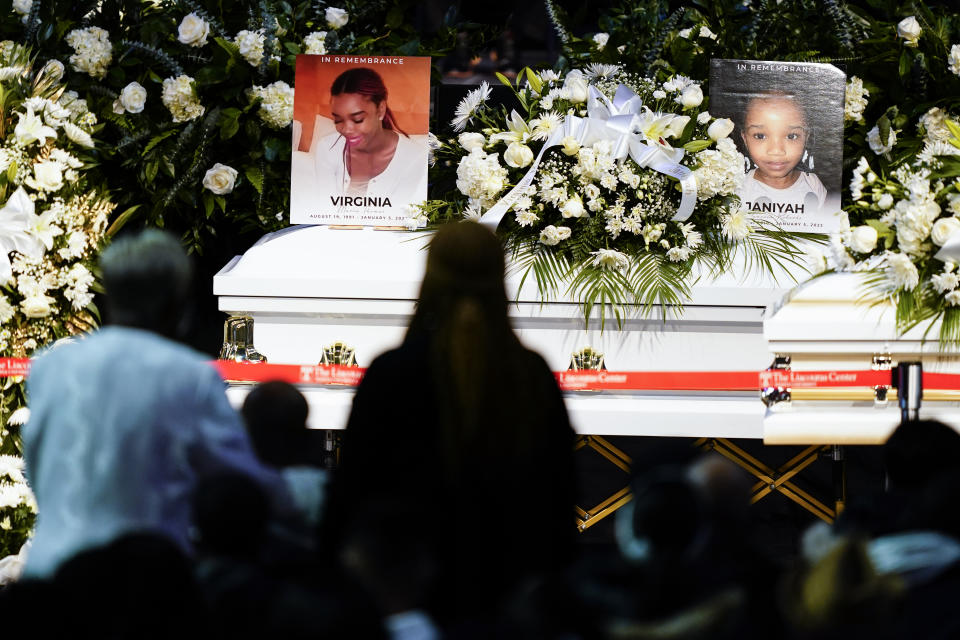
column 614, row 183
column 53, row 222
column 901, row 229
column 18, row 509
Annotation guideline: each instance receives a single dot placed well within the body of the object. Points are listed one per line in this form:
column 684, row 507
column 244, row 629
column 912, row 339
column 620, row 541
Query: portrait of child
column 789, row 127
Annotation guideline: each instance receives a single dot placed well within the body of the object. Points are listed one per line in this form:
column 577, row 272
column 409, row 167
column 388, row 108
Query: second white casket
column 310, row 287
column 834, row 323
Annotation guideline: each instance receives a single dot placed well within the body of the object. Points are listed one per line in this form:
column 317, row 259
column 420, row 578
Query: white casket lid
column 374, row 264
column 838, row 313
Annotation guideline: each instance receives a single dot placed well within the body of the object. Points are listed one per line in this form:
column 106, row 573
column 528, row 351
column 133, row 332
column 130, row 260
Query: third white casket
column 310, row 287
column 835, row 323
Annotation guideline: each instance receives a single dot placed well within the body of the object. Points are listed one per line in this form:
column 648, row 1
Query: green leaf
column 158, row 139
column 208, row 204
column 955, row 130
column 210, row 75
column 12, row 171
column 255, row 176
column 271, row 149
column 697, row 145
column 904, row 63
column 394, row 17
column 121, row 220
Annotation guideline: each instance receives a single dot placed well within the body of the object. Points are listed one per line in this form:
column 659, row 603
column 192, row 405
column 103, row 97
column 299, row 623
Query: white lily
column 16, row 222
column 30, row 128
column 42, row 228
column 655, row 127
column 517, row 130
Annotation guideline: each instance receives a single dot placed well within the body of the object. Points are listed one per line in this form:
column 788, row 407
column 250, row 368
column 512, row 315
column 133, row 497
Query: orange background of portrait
column 408, row 90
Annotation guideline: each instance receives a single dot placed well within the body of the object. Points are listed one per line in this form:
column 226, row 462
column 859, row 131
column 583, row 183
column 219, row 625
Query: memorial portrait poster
column 360, row 148
column 788, row 124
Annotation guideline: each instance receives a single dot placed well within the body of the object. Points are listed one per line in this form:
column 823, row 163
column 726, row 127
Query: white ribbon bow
column 620, row 122
column 16, row 222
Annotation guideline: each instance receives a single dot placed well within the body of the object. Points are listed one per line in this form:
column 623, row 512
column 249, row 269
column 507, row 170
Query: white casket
column 834, row 323
column 310, row 287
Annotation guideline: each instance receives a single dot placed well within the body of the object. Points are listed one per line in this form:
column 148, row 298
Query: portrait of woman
column 361, row 165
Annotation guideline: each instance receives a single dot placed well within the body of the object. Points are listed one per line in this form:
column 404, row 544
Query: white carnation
column 93, row 51
column 953, row 298
column 480, row 175
column 720, row 170
column 601, row 39
column 6, row 310
column 315, row 43
column 250, row 44
column 855, row 100
column 181, row 99
column 900, row 271
column 735, row 225
column 276, row 106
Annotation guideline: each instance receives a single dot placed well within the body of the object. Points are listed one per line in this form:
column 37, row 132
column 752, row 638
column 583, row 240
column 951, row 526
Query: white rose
column 220, row 179
column 570, row 146
column 471, row 141
column 909, row 29
column 704, row 117
column 720, row 128
column 862, row 239
column 953, row 60
column 885, row 201
column 48, row 175
column 573, row 208
column 22, row 6
column 336, row 18
column 37, row 306
column 576, row 86
column 943, row 228
column 691, row 96
column 193, row 30
column 518, row 155
column 133, row 97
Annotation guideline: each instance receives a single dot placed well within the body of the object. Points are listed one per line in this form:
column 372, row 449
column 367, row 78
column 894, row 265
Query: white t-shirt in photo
column 803, row 206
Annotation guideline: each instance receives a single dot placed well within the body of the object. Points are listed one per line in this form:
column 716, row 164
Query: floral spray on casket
column 613, row 185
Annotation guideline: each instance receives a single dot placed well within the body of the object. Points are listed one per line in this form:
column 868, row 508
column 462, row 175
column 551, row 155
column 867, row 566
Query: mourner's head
column 358, row 103
column 775, row 132
column 465, row 260
column 147, row 280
